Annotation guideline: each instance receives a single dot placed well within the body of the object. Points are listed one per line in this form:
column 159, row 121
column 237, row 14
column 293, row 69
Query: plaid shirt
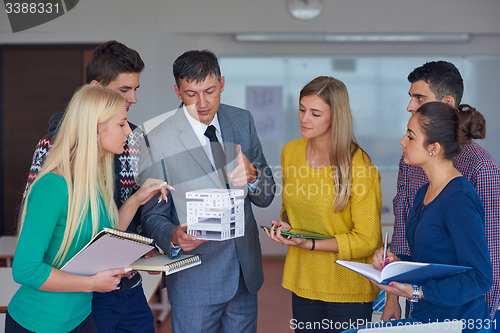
column 478, row 166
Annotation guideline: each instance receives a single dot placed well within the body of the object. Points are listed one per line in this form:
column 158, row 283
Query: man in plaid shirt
column 441, row 81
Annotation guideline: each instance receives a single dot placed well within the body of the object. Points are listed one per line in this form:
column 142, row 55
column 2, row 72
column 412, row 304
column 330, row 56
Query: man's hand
column 245, row 172
column 152, row 253
column 392, row 310
column 185, row 241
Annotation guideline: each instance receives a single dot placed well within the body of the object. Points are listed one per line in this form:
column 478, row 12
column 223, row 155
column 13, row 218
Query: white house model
column 215, row 214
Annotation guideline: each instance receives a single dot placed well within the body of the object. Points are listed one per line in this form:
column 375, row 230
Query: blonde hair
column 75, row 157
column 343, row 144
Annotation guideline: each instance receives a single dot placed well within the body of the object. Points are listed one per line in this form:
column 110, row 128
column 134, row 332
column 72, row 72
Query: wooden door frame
column 38, row 47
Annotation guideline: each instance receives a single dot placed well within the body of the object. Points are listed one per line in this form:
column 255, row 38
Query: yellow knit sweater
column 307, row 198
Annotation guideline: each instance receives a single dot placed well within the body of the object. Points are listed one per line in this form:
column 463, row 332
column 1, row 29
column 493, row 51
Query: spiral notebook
column 109, row 249
column 165, row 264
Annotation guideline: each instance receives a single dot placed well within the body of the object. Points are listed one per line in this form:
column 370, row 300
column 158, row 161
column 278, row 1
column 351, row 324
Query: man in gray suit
column 220, row 295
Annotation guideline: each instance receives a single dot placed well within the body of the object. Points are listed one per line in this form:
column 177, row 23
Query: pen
column 385, row 248
column 168, row 186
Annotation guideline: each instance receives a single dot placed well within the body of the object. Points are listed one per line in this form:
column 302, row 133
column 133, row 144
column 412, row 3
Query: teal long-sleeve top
column 40, row 239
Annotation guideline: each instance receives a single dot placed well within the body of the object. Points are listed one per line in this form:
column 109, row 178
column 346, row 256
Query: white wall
column 162, row 30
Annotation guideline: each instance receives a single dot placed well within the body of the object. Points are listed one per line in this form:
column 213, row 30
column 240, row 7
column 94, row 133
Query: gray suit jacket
column 175, row 154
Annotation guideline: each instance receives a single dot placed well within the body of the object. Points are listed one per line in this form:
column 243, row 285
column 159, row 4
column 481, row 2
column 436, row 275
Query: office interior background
column 371, row 45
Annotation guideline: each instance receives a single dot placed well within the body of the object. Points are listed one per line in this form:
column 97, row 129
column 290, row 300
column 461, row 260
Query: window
column 378, row 92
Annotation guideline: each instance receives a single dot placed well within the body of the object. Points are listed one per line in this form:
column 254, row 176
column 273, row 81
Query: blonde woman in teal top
column 71, row 201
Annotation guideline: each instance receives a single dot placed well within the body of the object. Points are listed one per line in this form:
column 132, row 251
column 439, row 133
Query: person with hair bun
column 440, row 81
column 446, row 223
column 330, row 187
column 68, row 203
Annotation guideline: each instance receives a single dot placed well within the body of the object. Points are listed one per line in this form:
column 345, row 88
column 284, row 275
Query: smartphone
column 299, row 233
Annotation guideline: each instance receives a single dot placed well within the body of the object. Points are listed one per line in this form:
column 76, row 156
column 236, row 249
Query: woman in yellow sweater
column 330, row 187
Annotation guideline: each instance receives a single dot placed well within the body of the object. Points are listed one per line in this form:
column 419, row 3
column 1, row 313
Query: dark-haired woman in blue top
column 446, row 222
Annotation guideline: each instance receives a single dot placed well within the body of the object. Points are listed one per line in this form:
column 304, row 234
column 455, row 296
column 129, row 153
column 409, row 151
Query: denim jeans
column 122, row 311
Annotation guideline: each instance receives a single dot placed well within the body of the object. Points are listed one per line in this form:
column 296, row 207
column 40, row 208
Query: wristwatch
column 416, row 294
